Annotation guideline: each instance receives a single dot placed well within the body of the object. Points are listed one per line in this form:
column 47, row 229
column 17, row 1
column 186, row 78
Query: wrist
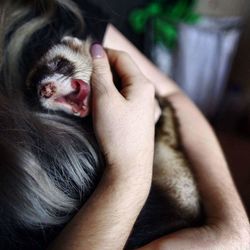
column 134, row 183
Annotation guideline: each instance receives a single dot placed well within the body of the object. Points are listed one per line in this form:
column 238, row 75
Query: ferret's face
column 62, row 77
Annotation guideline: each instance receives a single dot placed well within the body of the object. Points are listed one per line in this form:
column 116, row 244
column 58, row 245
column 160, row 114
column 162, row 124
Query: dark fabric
column 96, row 20
column 95, row 26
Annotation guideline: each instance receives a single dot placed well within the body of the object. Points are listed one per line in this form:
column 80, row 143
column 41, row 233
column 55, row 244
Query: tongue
column 82, row 90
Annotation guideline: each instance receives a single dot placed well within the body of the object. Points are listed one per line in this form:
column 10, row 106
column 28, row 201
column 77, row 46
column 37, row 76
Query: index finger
column 125, row 67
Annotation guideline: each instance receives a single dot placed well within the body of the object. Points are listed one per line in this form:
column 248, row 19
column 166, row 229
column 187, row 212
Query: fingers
column 134, row 83
column 101, row 79
column 125, row 67
column 118, row 59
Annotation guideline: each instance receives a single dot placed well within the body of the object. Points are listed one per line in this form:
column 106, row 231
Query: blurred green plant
column 165, row 17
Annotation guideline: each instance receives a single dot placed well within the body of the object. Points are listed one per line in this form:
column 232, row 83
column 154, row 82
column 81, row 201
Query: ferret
column 50, row 161
column 62, row 77
column 62, row 82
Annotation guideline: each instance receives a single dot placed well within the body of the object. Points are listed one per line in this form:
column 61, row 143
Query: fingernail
column 97, row 50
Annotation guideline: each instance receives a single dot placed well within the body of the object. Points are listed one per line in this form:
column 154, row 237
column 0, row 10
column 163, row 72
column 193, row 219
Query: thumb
column 101, row 79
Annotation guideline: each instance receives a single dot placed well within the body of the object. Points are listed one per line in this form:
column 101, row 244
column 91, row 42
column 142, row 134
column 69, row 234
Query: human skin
column 227, row 225
column 124, row 127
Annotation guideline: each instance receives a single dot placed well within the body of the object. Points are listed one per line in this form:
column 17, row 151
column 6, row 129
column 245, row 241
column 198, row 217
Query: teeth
column 85, row 102
column 75, row 109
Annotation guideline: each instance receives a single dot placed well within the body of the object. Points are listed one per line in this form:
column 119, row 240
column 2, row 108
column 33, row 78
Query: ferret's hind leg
column 172, row 173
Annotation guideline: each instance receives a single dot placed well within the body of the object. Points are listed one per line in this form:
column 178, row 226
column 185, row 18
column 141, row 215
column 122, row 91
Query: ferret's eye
column 59, row 61
column 63, row 66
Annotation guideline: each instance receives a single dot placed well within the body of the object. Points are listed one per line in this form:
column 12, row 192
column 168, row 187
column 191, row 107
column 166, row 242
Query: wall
column 241, row 68
column 222, row 7
column 118, row 10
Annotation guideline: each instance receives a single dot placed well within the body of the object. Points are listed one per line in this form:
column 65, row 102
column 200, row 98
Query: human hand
column 123, row 121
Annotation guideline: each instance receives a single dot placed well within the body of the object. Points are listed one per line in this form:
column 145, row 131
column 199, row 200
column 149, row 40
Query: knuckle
column 149, row 88
column 95, row 78
column 99, row 68
column 102, row 90
column 99, row 82
column 124, row 54
column 101, row 73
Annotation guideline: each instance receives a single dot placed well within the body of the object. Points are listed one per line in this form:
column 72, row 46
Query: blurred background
column 204, row 46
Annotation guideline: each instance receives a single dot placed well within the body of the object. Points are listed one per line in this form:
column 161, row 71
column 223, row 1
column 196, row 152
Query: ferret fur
column 56, row 152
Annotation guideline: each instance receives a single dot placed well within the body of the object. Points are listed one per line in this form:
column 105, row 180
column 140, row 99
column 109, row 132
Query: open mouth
column 78, row 99
column 76, row 102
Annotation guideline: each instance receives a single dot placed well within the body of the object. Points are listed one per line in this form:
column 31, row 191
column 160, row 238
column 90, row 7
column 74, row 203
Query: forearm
column 209, row 165
column 107, row 218
column 227, row 225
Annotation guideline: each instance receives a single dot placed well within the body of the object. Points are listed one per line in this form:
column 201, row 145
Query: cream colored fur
column 172, row 172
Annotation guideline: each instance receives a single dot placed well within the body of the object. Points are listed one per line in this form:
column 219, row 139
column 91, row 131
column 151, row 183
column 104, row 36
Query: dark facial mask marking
column 58, row 65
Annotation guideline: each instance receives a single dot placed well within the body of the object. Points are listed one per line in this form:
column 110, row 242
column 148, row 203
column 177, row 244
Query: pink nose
column 47, row 90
